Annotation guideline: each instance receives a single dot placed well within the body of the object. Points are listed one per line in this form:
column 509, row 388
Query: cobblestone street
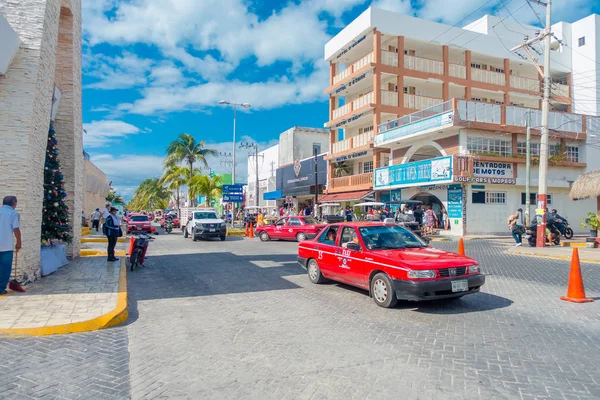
column 240, row 319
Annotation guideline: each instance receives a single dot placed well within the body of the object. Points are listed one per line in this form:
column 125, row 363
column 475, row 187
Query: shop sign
column 353, row 45
column 347, row 121
column 495, row 181
column 352, row 82
column 395, row 195
column 301, row 175
column 492, row 169
column 351, row 156
column 410, row 174
column 434, row 122
column 434, row 187
column 455, row 201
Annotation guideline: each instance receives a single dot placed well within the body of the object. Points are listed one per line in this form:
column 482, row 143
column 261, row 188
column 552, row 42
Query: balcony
column 518, row 82
column 560, row 90
column 419, row 102
column 342, row 75
column 457, row 71
column 354, row 182
column 341, row 111
column 354, row 142
column 491, row 77
column 389, row 58
column 389, row 98
column 424, row 65
column 364, row 61
column 362, row 101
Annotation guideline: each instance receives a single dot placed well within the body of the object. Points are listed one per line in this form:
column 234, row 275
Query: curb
column 564, row 258
column 110, row 319
column 99, row 253
column 101, row 240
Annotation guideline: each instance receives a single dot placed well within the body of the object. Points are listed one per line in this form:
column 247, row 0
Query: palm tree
column 150, row 195
column 185, row 149
column 174, row 178
column 204, row 185
column 341, row 169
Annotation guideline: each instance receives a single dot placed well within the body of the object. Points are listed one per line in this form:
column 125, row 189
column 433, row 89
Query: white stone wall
column 25, row 106
column 96, row 188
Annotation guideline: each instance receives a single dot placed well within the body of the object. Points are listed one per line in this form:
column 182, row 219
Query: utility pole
column 272, row 169
column 256, row 155
column 316, row 183
column 546, row 37
column 528, row 170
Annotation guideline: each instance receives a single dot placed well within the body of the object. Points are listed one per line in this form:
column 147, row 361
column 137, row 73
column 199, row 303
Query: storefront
column 297, row 184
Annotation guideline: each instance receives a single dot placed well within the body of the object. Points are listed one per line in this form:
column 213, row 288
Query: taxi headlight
column 474, row 269
column 421, row 274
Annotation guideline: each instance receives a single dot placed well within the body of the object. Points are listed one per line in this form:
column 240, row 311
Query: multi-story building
column 427, row 111
column 268, row 161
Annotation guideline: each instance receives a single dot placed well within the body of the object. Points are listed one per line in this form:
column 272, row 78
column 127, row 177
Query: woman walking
column 515, row 229
column 431, row 219
column 113, row 231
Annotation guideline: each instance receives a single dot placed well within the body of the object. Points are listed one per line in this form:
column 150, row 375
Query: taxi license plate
column 460, row 286
column 212, row 230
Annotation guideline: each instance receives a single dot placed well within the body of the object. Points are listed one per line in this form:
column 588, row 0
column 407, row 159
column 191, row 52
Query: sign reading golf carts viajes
column 435, row 170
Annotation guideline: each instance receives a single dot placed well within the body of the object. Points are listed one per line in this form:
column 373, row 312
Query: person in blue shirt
column 330, row 239
column 9, row 231
column 349, row 214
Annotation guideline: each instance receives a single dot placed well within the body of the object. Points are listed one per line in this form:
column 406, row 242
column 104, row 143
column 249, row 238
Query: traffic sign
column 289, row 200
column 233, row 189
column 233, row 198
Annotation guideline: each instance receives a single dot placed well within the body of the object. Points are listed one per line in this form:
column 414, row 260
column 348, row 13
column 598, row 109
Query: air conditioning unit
column 9, row 45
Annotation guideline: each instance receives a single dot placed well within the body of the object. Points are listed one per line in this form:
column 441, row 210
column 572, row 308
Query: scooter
column 531, row 235
column 169, row 227
column 140, row 246
column 567, row 231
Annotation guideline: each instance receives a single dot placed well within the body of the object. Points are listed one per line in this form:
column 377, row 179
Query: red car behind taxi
column 297, row 228
column 390, row 262
column 139, row 223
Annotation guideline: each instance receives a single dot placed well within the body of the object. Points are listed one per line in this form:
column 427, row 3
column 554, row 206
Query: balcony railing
column 362, row 101
column 519, row 82
column 424, row 65
column 343, row 110
column 457, row 71
column 560, row 90
column 362, row 139
column 415, row 117
column 342, row 145
column 363, row 62
column 419, row 102
column 342, row 75
column 352, row 181
column 389, row 58
column 389, row 98
column 491, row 77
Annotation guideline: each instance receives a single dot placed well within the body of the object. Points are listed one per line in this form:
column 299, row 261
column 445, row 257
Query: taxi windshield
column 389, row 237
column 310, row 221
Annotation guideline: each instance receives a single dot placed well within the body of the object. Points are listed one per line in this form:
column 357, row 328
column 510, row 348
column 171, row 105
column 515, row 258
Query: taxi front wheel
column 314, row 272
column 382, row 291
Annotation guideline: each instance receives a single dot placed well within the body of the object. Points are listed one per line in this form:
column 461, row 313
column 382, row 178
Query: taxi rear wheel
column 264, row 236
column 382, row 291
column 301, row 237
column 314, row 272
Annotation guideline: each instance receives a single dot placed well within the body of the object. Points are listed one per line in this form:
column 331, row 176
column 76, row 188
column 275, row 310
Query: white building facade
column 268, row 162
column 426, row 111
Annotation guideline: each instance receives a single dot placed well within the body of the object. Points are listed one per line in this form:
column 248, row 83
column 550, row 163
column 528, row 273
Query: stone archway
column 423, row 151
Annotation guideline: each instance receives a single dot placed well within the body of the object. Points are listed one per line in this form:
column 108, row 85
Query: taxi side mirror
column 353, row 246
column 426, row 240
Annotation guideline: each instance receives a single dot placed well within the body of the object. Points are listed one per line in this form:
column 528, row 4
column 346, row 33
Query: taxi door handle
column 316, row 247
column 337, row 252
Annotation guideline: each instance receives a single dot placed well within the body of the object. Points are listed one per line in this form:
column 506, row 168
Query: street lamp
column 234, row 105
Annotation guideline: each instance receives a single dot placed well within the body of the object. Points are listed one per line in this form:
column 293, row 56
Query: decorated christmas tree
column 55, row 217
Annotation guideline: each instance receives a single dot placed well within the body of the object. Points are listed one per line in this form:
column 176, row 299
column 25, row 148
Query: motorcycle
column 169, row 227
column 140, row 247
column 567, row 232
column 531, row 234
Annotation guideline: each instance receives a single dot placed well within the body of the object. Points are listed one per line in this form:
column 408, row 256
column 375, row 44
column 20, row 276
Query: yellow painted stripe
column 112, row 318
column 98, row 253
column 101, row 240
column 566, row 258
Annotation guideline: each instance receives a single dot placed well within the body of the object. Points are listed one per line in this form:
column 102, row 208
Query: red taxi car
column 139, row 223
column 297, row 228
column 390, row 262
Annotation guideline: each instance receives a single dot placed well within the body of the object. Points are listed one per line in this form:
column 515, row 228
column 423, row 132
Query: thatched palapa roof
column 586, row 186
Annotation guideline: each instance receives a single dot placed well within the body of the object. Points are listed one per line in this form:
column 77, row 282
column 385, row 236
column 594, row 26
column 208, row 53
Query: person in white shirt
column 106, row 211
column 96, row 219
column 9, row 227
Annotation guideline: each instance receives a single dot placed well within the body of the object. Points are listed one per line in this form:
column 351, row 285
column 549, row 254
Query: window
column 316, row 148
column 573, row 153
column 553, row 149
column 139, row 218
column 482, row 197
column 581, row 41
column 533, row 199
column 495, row 197
column 281, row 222
column 365, row 129
column 367, row 167
column 500, row 147
column 499, row 70
column 294, row 222
column 347, row 235
column 328, row 236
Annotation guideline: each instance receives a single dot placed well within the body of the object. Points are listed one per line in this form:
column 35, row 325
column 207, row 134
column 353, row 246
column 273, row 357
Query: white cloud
column 103, row 133
column 399, row 6
column 116, row 72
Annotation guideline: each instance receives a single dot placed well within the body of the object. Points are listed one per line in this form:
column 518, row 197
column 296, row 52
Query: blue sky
column 155, row 68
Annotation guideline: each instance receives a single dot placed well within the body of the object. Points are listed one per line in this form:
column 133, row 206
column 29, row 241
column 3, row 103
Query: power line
column 455, row 25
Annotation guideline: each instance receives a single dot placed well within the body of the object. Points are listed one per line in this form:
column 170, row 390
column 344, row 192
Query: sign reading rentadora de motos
column 490, row 169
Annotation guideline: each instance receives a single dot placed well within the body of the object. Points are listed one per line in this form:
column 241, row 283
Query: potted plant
column 591, row 222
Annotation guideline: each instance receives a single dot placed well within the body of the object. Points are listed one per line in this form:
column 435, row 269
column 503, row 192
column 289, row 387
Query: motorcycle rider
column 557, row 220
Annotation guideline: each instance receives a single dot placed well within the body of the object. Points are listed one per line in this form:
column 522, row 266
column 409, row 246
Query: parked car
column 390, row 262
column 139, row 223
column 205, row 224
column 297, row 228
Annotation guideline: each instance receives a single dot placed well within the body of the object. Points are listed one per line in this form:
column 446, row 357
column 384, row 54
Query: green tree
column 113, row 197
column 341, row 169
column 174, row 177
column 204, row 185
column 150, row 195
column 186, row 149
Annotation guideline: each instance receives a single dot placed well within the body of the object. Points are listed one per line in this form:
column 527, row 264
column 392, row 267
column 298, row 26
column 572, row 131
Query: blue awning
column 273, row 195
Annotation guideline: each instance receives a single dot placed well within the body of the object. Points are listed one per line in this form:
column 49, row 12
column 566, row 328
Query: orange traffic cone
column 576, row 291
column 461, row 247
column 251, row 230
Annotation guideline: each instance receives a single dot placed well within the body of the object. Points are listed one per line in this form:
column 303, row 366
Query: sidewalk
column 558, row 252
column 87, row 294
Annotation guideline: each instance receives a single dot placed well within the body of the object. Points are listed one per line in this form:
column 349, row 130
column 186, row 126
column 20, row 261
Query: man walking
column 9, row 226
column 96, row 219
